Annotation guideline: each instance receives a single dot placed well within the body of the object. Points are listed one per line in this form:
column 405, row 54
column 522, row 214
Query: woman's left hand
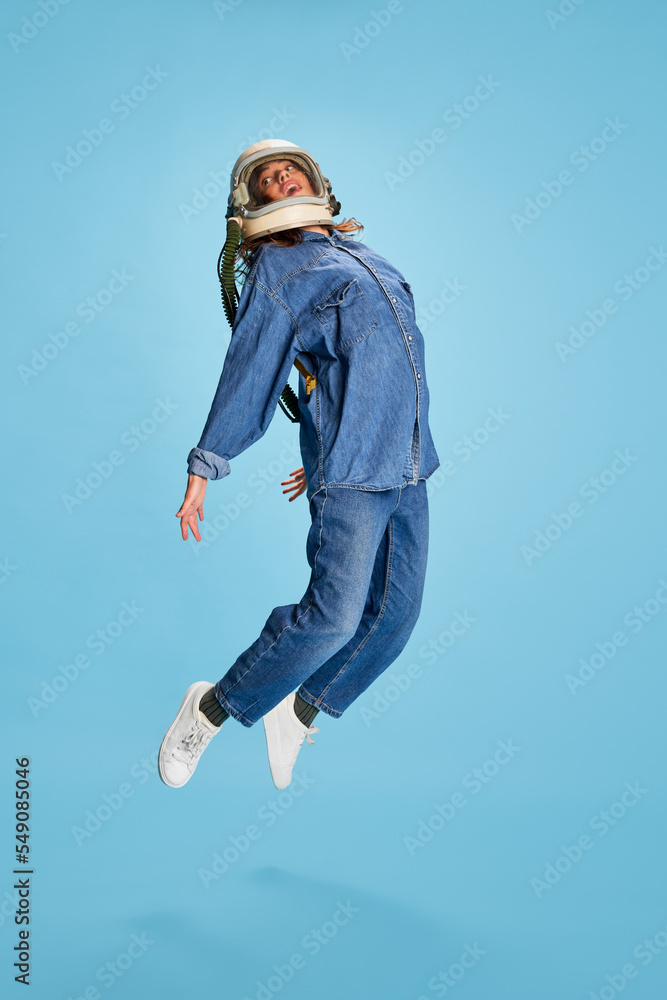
column 297, row 483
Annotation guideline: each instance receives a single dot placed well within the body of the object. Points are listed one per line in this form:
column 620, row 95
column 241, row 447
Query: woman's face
column 282, row 179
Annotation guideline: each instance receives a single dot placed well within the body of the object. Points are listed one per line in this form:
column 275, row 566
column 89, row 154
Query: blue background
column 361, row 88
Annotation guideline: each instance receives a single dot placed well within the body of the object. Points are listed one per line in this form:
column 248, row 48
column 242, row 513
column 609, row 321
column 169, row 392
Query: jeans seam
column 368, row 489
column 318, row 703
column 234, row 712
column 380, row 613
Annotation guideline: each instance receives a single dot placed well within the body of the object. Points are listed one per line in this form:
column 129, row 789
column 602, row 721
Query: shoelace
column 299, row 743
column 192, row 745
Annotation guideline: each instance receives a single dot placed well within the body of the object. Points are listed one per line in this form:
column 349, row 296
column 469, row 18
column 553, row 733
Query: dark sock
column 304, row 712
column 212, row 708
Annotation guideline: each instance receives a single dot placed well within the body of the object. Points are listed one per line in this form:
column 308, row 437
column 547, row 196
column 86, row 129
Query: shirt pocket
column 346, row 315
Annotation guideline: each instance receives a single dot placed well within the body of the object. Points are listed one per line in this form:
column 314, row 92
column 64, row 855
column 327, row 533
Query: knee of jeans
column 339, row 625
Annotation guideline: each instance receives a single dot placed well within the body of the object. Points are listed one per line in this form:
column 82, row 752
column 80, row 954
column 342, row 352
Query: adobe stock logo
column 591, row 491
column 445, row 979
column 32, row 25
column 454, row 116
column 401, row 682
column 116, row 968
column 237, row 846
column 601, row 823
column 466, row 447
column 565, row 9
column 98, row 642
column 222, row 7
column 113, row 801
column 644, row 952
column 625, row 287
column 103, row 470
column 474, row 782
column 88, row 310
column 312, row 944
column 6, row 569
column 122, row 107
column 365, row 34
column 635, row 619
column 554, row 188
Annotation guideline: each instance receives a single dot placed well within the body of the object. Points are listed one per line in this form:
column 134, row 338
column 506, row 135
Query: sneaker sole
column 271, row 732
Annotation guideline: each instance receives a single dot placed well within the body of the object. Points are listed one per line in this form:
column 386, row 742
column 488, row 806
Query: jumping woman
column 341, row 313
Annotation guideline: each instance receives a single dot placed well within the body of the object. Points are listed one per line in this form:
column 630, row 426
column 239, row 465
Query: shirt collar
column 307, row 235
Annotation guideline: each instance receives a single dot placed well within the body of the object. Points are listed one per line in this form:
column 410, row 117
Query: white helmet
column 257, row 217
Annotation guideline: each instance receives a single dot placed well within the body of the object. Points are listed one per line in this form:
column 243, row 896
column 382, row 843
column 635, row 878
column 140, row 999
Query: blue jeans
column 367, row 550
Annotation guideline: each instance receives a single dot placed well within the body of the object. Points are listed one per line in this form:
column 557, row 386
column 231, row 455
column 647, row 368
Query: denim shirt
column 348, row 315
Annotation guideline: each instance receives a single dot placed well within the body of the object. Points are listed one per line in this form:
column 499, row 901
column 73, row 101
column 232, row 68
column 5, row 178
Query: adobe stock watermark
column 364, row 34
column 474, row 782
column 600, row 823
column 454, row 116
column 109, row 973
column 639, row 616
column 430, row 651
column 9, row 906
column 223, row 7
column 565, row 10
column 450, row 291
column 591, row 490
column 267, row 815
column 466, row 447
column 131, row 440
column 312, row 943
column 218, row 181
column 98, row 642
column 626, row 287
column 7, row 569
column 87, row 310
column 112, row 802
column 122, row 107
column 581, row 158
column 33, row 24
column 644, row 952
column 211, row 528
column 443, row 981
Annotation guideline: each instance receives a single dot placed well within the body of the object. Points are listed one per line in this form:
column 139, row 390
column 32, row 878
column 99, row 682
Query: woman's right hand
column 193, row 505
column 297, row 485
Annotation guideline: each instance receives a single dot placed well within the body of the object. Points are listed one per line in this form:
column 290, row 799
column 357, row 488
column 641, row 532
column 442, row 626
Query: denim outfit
column 348, row 315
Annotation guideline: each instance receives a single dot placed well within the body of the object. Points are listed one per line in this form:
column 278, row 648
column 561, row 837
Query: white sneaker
column 284, row 738
column 186, row 739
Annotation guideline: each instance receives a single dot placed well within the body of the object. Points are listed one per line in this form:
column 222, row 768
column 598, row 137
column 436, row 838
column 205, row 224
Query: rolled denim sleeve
column 256, row 367
column 207, row 464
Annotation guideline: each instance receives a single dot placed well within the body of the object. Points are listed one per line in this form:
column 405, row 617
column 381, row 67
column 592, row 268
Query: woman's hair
column 288, row 238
